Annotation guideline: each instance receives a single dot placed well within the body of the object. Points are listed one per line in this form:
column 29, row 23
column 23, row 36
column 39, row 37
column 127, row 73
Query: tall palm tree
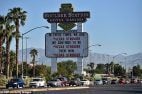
column 33, row 53
column 4, row 22
column 18, row 16
column 9, row 35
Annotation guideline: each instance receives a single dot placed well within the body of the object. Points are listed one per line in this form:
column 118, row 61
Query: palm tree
column 3, row 23
column 33, row 53
column 9, row 35
column 18, row 16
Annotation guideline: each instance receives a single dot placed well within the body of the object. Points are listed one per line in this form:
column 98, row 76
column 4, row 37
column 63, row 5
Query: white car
column 85, row 82
column 37, row 82
column 98, row 82
column 54, row 83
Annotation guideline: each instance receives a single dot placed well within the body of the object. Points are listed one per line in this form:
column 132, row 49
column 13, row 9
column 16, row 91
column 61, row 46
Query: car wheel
column 7, row 87
column 18, row 86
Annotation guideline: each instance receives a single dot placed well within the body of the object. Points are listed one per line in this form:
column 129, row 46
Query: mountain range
column 126, row 61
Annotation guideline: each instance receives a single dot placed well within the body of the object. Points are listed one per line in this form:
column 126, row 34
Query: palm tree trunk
column 17, row 45
column 33, row 66
column 17, row 53
column 7, row 57
column 0, row 56
column 33, row 69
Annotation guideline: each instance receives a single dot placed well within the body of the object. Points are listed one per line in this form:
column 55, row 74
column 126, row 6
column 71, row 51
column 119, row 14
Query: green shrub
column 3, row 80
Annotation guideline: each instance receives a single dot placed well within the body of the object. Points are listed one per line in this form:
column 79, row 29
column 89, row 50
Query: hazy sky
column 115, row 24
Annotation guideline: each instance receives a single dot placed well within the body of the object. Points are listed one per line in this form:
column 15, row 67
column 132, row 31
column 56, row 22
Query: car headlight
column 15, row 83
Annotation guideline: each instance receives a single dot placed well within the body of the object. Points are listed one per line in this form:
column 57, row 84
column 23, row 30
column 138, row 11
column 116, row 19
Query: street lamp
column 85, row 55
column 26, row 54
column 89, row 47
column 22, row 41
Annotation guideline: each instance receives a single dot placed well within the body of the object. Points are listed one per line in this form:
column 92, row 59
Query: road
column 99, row 89
column 105, row 89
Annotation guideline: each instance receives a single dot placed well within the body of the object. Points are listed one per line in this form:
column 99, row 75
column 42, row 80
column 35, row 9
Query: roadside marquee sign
column 66, row 42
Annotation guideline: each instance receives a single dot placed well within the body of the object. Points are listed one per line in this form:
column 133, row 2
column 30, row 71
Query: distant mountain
column 126, row 61
column 96, row 58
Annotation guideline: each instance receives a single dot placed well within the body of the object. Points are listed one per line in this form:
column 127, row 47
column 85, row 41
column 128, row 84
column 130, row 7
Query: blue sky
column 115, row 24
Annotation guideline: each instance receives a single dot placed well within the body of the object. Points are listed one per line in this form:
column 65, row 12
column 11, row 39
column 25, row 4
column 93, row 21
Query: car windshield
column 14, row 80
column 98, row 80
column 36, row 80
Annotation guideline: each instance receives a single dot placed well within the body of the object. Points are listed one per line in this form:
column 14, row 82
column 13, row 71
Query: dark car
column 75, row 82
column 64, row 81
column 114, row 81
column 15, row 83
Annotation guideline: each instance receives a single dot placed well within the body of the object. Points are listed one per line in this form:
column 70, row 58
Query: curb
column 29, row 91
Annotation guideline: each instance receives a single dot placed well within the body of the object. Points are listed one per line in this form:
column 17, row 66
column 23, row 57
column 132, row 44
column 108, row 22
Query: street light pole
column 26, row 54
column 88, row 48
column 22, row 41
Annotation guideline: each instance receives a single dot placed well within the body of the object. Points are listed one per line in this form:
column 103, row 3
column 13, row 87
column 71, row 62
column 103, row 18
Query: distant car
column 134, row 81
column 75, row 82
column 98, row 82
column 54, row 83
column 122, row 81
column 139, row 81
column 85, row 82
column 114, row 81
column 105, row 81
column 37, row 82
column 64, row 81
column 15, row 83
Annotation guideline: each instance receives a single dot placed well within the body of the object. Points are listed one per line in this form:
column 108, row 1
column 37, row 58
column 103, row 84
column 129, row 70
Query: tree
column 112, row 67
column 91, row 69
column 18, row 16
column 107, row 68
column 33, row 53
column 12, row 62
column 137, row 71
column 100, row 68
column 43, row 71
column 3, row 60
column 66, row 68
column 9, row 35
column 119, row 70
column 6, row 34
column 3, row 23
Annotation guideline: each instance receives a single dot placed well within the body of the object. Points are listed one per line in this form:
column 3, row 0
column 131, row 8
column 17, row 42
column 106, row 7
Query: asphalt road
column 98, row 89
column 103, row 89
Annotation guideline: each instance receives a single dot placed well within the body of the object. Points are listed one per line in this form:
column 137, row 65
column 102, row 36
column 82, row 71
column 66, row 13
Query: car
column 114, row 81
column 64, row 81
column 98, row 82
column 15, row 83
column 134, row 81
column 122, row 81
column 54, row 83
column 105, row 81
column 37, row 82
column 75, row 82
column 85, row 82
